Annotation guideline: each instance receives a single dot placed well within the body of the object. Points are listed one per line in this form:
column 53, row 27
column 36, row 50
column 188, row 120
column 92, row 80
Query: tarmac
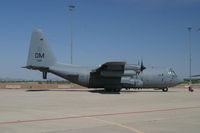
column 94, row 111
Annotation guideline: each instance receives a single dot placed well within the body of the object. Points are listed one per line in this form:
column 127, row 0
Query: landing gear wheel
column 165, row 89
column 112, row 90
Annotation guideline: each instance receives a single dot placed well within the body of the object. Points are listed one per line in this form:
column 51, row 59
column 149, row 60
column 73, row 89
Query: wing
column 115, row 69
column 111, row 69
column 112, row 66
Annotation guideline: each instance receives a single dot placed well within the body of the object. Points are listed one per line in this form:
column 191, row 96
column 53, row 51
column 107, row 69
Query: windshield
column 171, row 72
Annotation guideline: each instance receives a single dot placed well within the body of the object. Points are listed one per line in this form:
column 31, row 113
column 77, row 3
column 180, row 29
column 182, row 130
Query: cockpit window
column 171, row 72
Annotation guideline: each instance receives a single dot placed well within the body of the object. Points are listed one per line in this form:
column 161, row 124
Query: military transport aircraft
column 112, row 76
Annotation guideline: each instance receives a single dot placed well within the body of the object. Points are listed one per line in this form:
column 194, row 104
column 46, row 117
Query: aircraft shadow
column 64, row 90
column 100, row 91
column 73, row 90
column 128, row 91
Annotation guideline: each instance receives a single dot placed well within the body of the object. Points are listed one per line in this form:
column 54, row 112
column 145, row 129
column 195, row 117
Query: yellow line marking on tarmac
column 116, row 124
column 94, row 118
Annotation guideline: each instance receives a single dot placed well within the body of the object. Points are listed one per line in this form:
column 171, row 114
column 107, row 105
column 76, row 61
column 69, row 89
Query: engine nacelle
column 131, row 82
column 134, row 67
column 118, row 73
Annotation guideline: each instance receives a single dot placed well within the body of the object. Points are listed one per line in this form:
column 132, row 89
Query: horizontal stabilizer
column 37, row 68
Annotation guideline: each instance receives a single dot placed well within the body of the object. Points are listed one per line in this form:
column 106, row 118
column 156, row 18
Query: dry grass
column 35, row 85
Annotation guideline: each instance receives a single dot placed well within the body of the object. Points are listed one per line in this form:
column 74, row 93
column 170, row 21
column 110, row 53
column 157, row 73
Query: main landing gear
column 165, row 89
column 112, row 90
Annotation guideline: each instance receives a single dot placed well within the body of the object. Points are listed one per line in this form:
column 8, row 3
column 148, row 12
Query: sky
column 154, row 31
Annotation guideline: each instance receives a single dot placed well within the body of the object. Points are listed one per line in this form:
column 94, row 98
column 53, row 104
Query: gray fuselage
column 87, row 76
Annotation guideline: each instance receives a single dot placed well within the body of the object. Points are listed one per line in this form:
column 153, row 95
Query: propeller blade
column 142, row 67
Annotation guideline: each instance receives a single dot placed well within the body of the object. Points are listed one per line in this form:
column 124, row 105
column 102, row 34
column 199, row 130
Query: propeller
column 142, row 67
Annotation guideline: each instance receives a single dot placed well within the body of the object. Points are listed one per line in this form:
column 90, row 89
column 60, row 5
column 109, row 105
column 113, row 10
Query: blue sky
column 104, row 30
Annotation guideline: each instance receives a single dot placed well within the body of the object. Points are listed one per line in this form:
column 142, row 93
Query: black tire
column 112, row 90
column 165, row 89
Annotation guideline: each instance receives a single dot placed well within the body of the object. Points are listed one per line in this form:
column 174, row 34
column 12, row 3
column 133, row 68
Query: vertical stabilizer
column 40, row 53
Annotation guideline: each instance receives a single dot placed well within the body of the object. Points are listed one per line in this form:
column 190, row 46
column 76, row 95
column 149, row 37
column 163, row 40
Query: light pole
column 190, row 55
column 71, row 7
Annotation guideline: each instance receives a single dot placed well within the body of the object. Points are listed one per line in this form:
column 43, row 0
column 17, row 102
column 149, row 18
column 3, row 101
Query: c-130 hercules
column 112, row 76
